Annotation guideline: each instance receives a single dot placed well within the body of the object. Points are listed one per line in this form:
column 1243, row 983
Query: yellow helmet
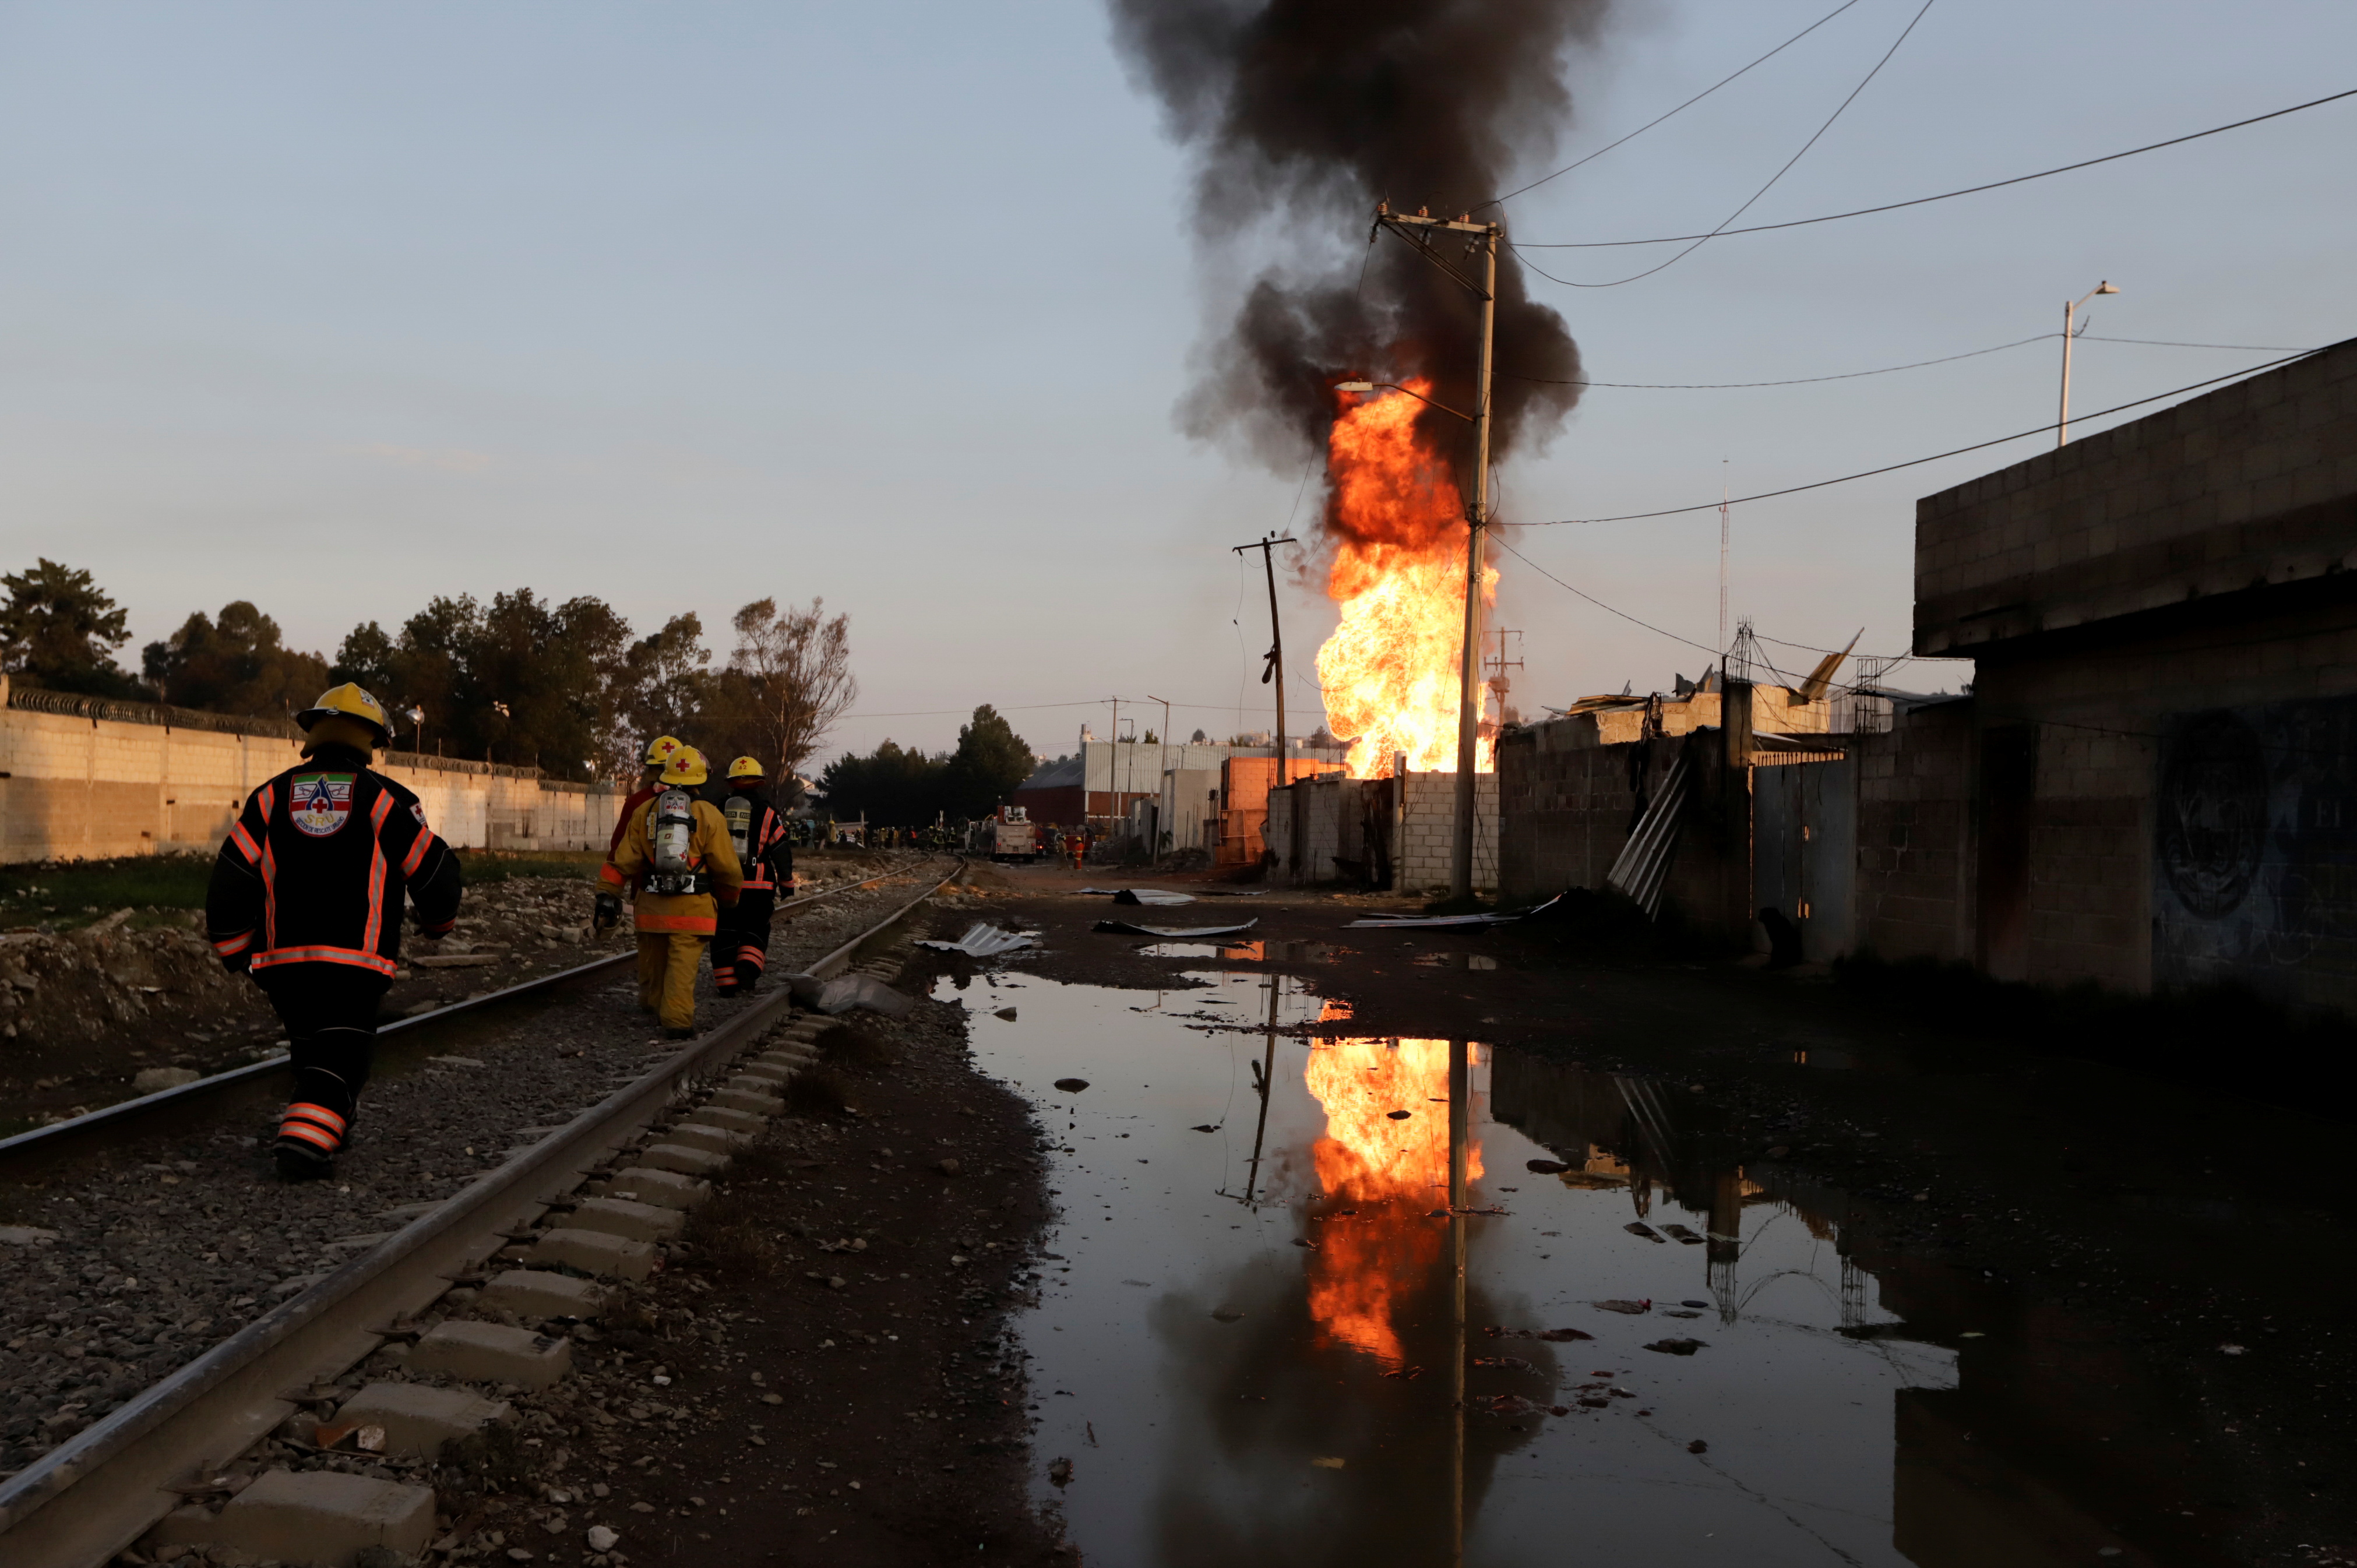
column 745, row 767
column 349, row 701
column 660, row 750
column 685, row 766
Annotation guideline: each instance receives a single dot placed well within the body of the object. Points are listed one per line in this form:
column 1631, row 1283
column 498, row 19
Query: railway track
column 105, row 1486
column 41, row 1145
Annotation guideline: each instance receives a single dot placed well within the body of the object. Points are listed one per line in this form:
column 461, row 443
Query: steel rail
column 44, row 1141
column 99, row 1491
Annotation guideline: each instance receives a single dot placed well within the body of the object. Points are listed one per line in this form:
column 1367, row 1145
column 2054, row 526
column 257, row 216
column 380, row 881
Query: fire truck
column 1009, row 836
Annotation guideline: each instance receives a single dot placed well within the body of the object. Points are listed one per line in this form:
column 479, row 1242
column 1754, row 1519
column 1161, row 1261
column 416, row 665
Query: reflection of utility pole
column 1265, row 1072
column 1162, row 781
column 1273, row 671
column 1459, row 1095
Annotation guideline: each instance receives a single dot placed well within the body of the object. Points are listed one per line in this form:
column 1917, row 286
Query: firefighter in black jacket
column 306, row 897
column 757, row 833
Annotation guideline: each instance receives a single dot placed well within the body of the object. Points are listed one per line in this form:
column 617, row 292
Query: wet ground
column 1748, row 1274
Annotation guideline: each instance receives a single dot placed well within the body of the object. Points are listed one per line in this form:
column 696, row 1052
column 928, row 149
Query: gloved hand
column 607, row 913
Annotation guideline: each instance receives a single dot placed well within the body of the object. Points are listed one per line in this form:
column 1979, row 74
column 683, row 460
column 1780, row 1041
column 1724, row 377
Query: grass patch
column 74, row 893
column 817, row 1092
column 848, row 1045
column 728, row 1237
column 485, row 866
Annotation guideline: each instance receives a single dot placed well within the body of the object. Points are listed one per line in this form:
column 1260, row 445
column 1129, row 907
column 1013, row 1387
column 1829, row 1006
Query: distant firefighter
column 740, row 949
column 306, row 898
column 675, row 853
column 609, row 906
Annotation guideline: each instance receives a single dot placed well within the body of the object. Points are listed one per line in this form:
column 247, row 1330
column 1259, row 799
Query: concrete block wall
column 74, row 787
column 2253, row 484
column 1427, row 842
column 1915, row 866
column 1566, row 807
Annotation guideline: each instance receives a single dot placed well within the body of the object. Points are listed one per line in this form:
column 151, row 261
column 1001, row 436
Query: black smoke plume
column 1305, row 114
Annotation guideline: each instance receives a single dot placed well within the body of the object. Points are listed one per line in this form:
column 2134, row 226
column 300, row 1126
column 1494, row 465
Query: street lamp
column 2070, row 309
column 1394, row 386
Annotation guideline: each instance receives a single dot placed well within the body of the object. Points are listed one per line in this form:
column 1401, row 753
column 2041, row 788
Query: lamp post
column 2069, row 310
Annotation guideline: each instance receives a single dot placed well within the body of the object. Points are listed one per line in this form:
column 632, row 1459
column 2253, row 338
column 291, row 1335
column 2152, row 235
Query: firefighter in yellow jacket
column 676, row 854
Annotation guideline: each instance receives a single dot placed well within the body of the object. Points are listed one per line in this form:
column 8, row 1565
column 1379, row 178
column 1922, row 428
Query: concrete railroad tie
column 326, row 1518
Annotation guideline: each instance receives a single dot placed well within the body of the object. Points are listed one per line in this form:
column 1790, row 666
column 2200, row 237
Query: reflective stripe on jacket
column 315, row 868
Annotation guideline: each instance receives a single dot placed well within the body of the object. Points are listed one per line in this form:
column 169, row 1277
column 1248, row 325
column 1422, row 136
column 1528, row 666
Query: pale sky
column 337, row 307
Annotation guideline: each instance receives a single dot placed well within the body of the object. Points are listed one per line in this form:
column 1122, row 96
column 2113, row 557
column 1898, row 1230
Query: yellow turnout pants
column 667, row 965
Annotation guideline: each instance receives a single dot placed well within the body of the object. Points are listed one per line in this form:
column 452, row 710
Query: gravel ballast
column 130, row 1264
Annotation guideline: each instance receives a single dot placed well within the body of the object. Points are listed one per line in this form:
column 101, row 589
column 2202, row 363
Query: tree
column 895, row 786
column 990, row 761
column 795, row 668
column 667, row 690
column 366, row 656
column 60, row 629
column 519, row 680
column 236, row 664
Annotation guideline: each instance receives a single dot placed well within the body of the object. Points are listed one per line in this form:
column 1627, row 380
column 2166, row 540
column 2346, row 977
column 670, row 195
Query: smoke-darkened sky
column 334, row 308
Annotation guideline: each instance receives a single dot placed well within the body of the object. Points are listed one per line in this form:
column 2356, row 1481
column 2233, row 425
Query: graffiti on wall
column 2254, row 870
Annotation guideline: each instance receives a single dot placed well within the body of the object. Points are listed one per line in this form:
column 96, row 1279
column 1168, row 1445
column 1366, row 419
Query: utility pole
column 1275, row 669
column 1162, row 778
column 1481, row 240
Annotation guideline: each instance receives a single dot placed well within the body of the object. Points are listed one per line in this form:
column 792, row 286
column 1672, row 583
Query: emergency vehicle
column 1009, row 836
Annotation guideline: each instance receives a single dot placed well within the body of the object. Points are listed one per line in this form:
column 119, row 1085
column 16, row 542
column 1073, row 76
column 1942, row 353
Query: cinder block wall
column 77, row 789
column 1567, row 805
column 1915, row 865
column 1428, row 832
column 2251, row 484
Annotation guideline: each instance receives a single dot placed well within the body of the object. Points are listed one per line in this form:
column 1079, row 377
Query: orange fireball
column 1390, row 672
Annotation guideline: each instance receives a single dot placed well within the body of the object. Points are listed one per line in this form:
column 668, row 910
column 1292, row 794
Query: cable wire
column 1689, row 103
column 1920, row 201
column 1918, row 461
column 1795, row 382
column 1887, row 369
column 1701, row 240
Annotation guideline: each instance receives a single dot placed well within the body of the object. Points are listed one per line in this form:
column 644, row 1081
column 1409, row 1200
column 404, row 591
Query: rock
column 601, row 1538
column 1545, row 1167
column 1677, row 1347
column 25, row 1236
column 1072, row 1085
column 947, row 1168
column 1631, row 1307
column 1697, row 1446
column 156, row 1079
column 1398, row 1115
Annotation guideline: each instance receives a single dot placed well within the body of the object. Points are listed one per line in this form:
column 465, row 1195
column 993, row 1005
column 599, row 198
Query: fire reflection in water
column 1393, row 1170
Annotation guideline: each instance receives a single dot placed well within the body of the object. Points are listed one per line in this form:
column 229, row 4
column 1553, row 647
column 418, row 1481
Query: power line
column 1918, row 461
column 1779, row 174
column 2165, row 343
column 1887, row 369
column 1689, row 103
column 1673, row 636
column 1920, row 201
column 1795, row 382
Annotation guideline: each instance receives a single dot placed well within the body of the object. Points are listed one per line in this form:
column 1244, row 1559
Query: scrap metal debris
column 983, row 939
column 1141, row 895
column 1424, row 922
column 1172, row 933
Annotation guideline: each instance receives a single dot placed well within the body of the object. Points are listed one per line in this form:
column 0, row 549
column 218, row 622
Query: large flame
column 1394, row 1173
column 1390, row 672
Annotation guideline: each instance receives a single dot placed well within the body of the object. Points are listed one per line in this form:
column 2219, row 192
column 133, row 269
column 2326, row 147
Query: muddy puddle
column 1266, row 1334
